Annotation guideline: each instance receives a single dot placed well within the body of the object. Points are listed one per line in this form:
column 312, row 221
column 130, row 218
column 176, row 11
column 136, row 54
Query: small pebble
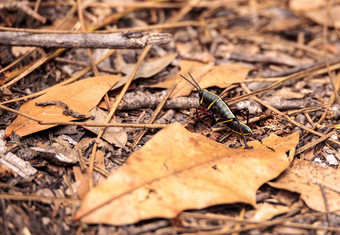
column 331, row 159
column 317, row 160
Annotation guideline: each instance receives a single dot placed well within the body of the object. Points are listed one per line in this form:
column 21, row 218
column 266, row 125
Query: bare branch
column 129, row 40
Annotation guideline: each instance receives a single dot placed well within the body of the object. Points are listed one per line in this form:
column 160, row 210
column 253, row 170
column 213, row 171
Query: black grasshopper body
column 211, row 102
column 222, row 112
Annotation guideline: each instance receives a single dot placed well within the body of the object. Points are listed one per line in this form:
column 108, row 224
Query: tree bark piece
column 129, row 40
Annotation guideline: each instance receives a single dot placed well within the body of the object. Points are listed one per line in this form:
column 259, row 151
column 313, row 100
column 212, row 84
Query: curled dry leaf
column 305, row 177
column 178, row 170
column 147, row 69
column 80, row 96
column 150, row 67
column 113, row 135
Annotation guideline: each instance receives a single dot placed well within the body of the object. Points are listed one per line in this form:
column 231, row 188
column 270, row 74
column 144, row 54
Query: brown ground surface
column 290, row 47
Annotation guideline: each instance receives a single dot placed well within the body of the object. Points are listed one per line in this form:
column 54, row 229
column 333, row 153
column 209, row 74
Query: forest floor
column 101, row 134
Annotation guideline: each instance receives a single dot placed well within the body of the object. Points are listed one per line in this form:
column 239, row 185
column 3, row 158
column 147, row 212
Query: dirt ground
column 267, row 77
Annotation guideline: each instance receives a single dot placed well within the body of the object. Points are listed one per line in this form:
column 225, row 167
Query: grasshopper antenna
column 193, row 84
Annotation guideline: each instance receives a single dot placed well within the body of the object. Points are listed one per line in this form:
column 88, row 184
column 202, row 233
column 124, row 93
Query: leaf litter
column 186, row 171
column 257, row 39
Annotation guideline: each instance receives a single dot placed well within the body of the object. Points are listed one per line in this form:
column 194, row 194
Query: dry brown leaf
column 148, row 68
column 113, row 135
column 304, row 177
column 306, row 5
column 223, row 75
column 178, row 170
column 183, row 88
column 80, row 96
column 329, row 18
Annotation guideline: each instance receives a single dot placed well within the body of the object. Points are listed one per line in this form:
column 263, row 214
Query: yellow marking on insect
column 241, row 124
column 229, row 120
column 211, row 104
column 238, row 132
column 218, row 98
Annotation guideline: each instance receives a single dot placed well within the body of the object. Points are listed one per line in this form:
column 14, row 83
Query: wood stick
column 128, row 40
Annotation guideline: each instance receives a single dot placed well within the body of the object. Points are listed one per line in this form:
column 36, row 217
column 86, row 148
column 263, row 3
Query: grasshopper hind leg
column 246, row 146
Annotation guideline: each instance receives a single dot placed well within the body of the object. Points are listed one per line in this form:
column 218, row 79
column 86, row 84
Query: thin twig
column 99, row 169
column 120, row 30
column 18, row 112
column 133, row 125
column 83, row 29
column 316, row 69
column 329, row 104
column 286, row 116
column 255, row 224
column 331, row 188
column 68, row 81
column 18, row 60
column 38, row 63
column 26, row 197
column 307, row 146
column 23, row 6
column 113, row 110
column 332, row 77
column 325, row 200
column 140, row 4
column 154, row 115
column 81, row 161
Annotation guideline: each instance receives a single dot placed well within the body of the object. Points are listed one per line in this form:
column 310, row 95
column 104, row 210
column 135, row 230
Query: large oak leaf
column 178, row 170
